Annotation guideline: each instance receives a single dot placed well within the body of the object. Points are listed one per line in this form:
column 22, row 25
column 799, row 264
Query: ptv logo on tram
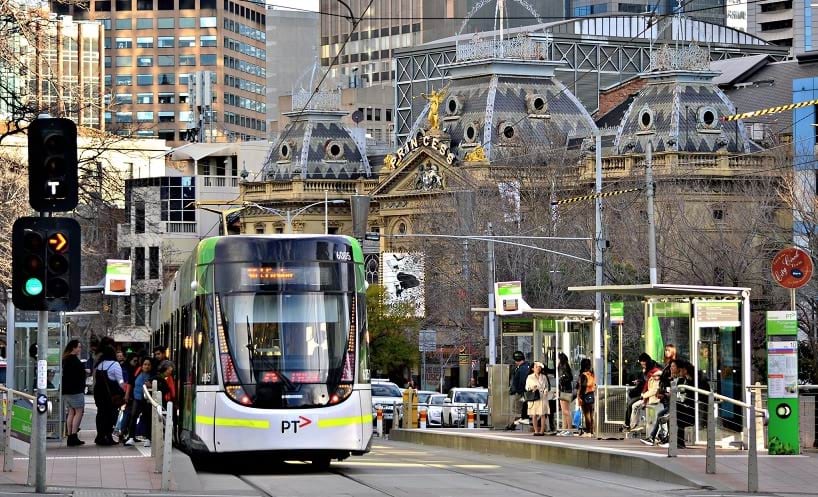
column 294, row 424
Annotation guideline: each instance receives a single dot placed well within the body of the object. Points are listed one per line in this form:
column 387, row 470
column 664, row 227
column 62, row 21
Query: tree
column 393, row 331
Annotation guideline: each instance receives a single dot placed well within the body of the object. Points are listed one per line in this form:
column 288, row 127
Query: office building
column 152, row 47
column 292, row 50
column 712, row 11
column 58, row 70
column 787, row 23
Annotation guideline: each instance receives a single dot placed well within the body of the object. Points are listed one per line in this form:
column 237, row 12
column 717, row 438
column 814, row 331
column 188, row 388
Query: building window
column 153, row 263
column 144, row 117
column 124, row 61
column 389, row 115
column 167, row 134
column 166, row 98
column 259, row 228
column 207, row 22
column 166, row 60
column 144, row 79
column 123, row 23
column 123, row 98
column 207, row 41
column 144, row 61
column 104, row 6
column 144, row 4
column 207, row 59
column 377, row 114
column 139, row 216
column 124, row 80
column 166, row 5
column 124, row 43
column 187, row 41
column 369, row 114
column 124, row 6
column 144, row 42
column 144, row 98
column 187, row 4
column 167, row 116
column 165, row 23
column 187, row 60
column 144, row 23
column 165, row 42
column 167, row 78
column 176, row 195
column 187, row 22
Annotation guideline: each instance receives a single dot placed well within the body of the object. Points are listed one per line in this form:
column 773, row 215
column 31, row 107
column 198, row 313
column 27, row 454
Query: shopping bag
column 120, row 421
column 576, row 418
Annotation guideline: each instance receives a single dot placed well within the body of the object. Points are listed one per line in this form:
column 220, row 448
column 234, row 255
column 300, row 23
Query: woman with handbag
column 536, row 388
column 566, row 388
column 73, row 390
column 109, row 395
column 586, row 395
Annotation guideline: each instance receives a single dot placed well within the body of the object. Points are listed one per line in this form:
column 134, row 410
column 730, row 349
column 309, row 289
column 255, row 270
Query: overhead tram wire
column 315, row 90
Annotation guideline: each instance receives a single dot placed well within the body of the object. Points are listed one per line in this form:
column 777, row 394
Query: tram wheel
column 321, row 463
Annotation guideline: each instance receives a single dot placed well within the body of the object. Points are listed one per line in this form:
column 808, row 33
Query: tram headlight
column 340, row 394
column 238, row 394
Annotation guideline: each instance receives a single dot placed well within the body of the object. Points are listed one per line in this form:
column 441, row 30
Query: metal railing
column 161, row 433
column 710, row 459
column 807, row 412
column 5, row 441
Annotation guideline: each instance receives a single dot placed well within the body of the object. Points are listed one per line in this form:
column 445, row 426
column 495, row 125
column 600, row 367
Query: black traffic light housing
column 46, row 264
column 52, row 165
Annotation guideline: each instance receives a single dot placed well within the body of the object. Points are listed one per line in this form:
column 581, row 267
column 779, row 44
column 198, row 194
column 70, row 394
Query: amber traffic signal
column 46, row 264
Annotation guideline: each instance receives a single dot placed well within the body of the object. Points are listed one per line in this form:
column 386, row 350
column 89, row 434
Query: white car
column 434, row 413
column 385, row 395
column 459, row 400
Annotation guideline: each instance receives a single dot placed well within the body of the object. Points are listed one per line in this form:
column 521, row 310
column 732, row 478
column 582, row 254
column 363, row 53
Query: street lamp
column 289, row 214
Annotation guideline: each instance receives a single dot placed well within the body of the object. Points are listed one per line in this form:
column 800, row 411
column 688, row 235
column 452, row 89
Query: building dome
column 315, row 144
column 504, row 98
column 681, row 109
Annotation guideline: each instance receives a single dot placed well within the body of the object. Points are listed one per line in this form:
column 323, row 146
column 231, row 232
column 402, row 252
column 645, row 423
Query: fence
column 161, row 433
column 23, row 426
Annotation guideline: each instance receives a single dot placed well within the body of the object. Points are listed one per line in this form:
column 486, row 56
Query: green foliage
column 393, row 334
column 777, row 447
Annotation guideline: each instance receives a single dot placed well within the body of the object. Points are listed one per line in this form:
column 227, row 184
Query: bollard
column 423, row 419
column 672, row 422
column 710, row 463
column 8, row 459
column 167, row 446
column 379, row 421
column 470, row 418
column 752, row 455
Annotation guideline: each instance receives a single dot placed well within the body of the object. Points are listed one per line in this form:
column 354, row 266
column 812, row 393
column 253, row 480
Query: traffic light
column 46, row 264
column 52, row 165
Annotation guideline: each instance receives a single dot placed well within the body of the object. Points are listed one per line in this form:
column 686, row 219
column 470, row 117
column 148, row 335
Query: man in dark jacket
column 519, row 372
column 640, row 384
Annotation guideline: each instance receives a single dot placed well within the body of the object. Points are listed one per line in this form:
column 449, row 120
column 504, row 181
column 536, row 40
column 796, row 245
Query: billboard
column 403, row 279
column 118, row 277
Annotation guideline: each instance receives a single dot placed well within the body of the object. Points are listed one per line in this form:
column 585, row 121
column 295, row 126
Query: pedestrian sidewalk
column 89, row 467
column 776, row 474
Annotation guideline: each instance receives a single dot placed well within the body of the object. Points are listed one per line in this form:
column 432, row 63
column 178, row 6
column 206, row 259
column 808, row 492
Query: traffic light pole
column 41, row 409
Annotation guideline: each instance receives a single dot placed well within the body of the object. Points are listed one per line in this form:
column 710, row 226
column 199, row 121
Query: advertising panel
column 403, row 279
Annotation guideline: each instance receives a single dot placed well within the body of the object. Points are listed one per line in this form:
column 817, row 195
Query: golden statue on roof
column 435, row 98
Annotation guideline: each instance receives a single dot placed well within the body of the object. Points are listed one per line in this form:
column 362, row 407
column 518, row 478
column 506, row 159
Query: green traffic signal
column 33, row 287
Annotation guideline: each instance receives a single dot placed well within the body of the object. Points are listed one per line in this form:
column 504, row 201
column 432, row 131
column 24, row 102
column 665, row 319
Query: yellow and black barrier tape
column 769, row 110
column 594, row 196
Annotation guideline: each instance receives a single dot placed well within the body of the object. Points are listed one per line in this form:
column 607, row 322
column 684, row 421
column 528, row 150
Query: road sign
column 792, row 267
column 427, row 341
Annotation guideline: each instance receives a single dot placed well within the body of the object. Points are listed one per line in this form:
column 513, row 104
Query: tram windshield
column 292, row 346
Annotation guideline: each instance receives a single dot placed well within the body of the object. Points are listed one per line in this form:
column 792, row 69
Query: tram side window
column 205, row 349
column 363, row 346
column 185, row 361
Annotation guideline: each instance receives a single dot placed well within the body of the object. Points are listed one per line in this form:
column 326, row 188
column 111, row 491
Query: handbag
column 116, row 394
column 588, row 398
column 532, row 395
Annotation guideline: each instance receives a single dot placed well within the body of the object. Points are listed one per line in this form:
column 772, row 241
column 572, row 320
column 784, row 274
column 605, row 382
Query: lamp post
column 289, row 214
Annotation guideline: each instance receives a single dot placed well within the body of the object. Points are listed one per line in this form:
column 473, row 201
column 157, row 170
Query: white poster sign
column 403, row 276
column 118, row 277
column 782, row 369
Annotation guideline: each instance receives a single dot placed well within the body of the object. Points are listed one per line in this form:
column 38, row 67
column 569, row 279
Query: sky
column 299, row 4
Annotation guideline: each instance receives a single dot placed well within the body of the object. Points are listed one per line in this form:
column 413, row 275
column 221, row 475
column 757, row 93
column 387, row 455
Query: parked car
column 385, row 395
column 459, row 400
column 434, row 413
column 423, row 401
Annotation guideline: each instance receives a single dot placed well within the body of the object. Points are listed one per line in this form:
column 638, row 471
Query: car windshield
column 382, row 390
column 437, row 400
column 423, row 397
column 471, row 397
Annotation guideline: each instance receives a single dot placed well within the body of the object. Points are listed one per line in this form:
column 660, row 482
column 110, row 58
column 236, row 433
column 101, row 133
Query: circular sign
column 792, row 268
column 783, row 411
column 357, row 116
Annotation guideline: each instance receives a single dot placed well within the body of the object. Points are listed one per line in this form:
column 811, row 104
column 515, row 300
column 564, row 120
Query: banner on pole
column 118, row 277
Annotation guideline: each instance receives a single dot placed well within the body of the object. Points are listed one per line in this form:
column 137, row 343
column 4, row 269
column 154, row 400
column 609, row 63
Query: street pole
column 42, row 411
column 326, row 213
column 598, row 261
column 492, row 316
column 289, row 222
column 651, row 218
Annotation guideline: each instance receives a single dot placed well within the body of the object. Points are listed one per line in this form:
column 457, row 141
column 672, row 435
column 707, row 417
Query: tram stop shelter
column 710, row 327
column 540, row 334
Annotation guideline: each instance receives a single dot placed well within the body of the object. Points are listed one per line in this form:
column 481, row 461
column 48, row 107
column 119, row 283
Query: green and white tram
column 268, row 335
